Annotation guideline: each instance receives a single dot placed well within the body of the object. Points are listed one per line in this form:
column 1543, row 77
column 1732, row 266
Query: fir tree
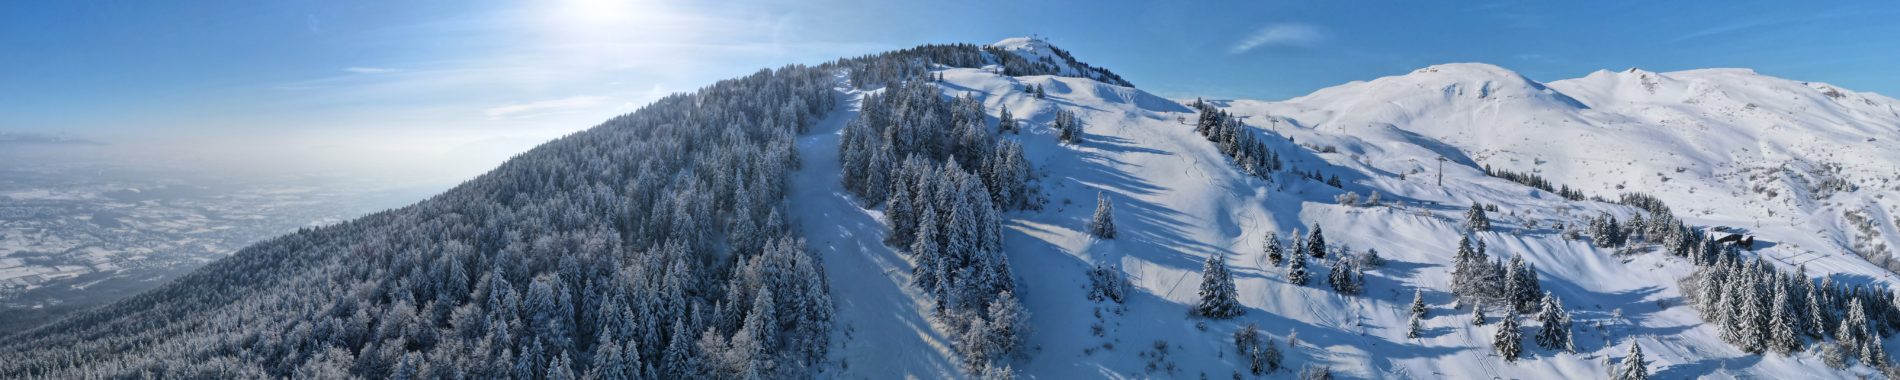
column 1521, row 286
column 926, row 250
column 1477, row 315
column 1418, row 302
column 1316, row 244
column 1005, row 123
column 1346, row 277
column 1633, row 366
column 1465, row 270
column 1009, row 326
column 1276, row 255
column 1555, row 330
column 1782, row 336
column 1475, row 219
column 561, row 368
column 1412, row 327
column 1217, row 290
column 1817, row 320
column 1102, row 224
column 1296, row 269
column 1508, row 342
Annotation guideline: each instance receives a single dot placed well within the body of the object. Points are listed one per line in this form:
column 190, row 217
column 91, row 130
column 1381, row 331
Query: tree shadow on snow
column 1705, row 367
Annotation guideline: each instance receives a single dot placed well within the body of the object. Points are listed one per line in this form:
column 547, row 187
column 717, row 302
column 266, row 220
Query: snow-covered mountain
column 1804, row 167
column 877, row 218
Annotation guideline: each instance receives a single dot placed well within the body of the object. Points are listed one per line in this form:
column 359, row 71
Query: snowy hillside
column 1793, row 163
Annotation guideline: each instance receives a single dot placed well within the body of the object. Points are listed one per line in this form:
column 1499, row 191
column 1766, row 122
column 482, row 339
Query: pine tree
column 1271, row 356
column 1858, row 337
column 1508, row 342
column 1009, row 326
column 1418, row 303
column 1412, row 327
column 1346, row 278
column 1817, row 320
column 1782, row 336
column 1068, row 128
column 1102, row 224
column 927, row 252
column 1005, row 123
column 1218, row 298
column 1477, row 316
column 1752, row 322
column 1555, row 330
column 561, row 368
column 1466, row 266
column 1296, row 269
column 1475, row 219
column 679, row 361
column 758, row 340
column 1633, row 366
column 1316, row 244
column 899, row 213
column 1276, row 255
column 1521, row 287
column 1872, row 353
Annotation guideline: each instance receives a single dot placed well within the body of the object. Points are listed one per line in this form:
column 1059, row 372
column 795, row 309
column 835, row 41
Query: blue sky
column 499, row 76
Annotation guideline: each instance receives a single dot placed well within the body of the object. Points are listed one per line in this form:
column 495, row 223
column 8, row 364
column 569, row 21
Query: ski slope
column 1178, row 200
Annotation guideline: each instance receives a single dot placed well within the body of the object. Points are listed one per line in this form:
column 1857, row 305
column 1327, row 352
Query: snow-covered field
column 1722, row 147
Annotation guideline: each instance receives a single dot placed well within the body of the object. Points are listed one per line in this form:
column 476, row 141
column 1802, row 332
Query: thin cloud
column 1290, row 34
column 369, row 70
column 546, row 106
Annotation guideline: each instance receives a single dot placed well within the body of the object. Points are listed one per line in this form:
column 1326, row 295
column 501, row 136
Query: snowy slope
column 1178, row 201
column 1724, row 147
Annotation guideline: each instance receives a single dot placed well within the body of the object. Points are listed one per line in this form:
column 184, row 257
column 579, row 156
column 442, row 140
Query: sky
column 446, row 89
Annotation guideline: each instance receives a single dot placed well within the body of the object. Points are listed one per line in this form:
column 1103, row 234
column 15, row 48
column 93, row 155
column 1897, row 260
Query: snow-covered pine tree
column 900, row 214
column 1271, row 356
column 1296, row 269
column 1418, row 302
column 1782, row 335
column 1299, row 243
column 1521, row 287
column 1275, row 254
column 1477, row 315
column 1752, row 319
column 1634, row 367
column 1857, row 336
column 1475, row 219
column 1009, row 326
column 1493, row 279
column 1005, row 122
column 1508, row 341
column 1102, row 224
column 679, row 360
column 1465, row 268
column 1555, row 330
column 1412, row 327
column 1068, row 128
column 926, row 250
column 1346, row 277
column 1218, row 299
column 1316, row 244
column 1872, row 352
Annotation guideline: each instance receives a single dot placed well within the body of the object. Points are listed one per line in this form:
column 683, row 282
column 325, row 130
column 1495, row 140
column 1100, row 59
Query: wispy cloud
column 546, row 106
column 369, row 70
column 1288, row 34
